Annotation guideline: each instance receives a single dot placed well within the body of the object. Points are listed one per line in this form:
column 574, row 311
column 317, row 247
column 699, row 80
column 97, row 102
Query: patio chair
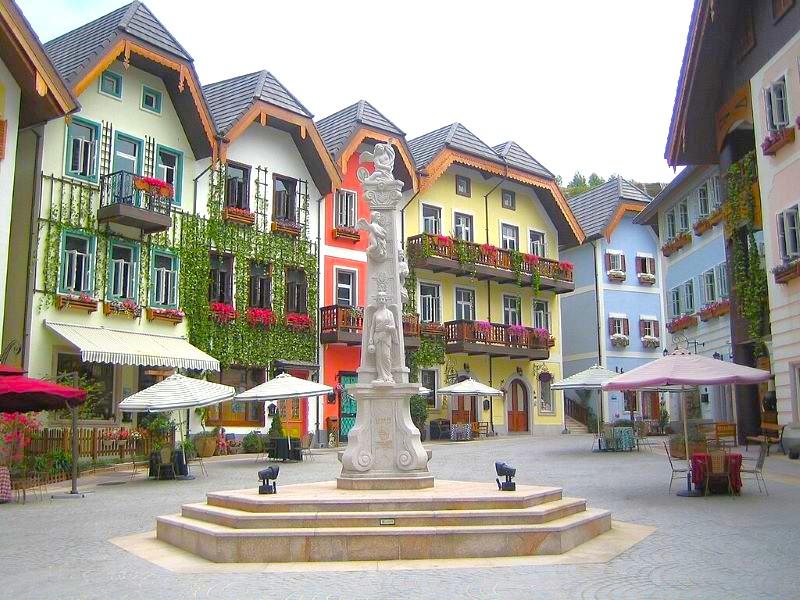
column 195, row 457
column 717, row 470
column 165, row 468
column 757, row 471
column 305, row 446
column 677, row 472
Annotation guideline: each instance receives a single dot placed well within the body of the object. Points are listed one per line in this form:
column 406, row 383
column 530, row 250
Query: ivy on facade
column 431, row 352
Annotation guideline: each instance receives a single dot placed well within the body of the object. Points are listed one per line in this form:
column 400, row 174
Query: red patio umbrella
column 5, row 371
column 24, row 394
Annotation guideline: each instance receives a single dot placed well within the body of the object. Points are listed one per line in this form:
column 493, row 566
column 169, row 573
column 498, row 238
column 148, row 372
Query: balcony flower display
column 530, row 259
column 444, row 240
column 489, row 250
column 286, row 226
column 483, row 327
column 650, row 341
column 298, row 322
column 620, row 340
column 715, row 309
column 153, row 186
column 222, row 313
column 541, row 334
column 646, row 278
column 173, row 315
column 260, row 317
column 616, row 275
column 787, row 271
column 681, row 323
column 675, row 244
column 516, row 330
column 777, row 140
column 238, row 215
column 565, row 265
column 126, row 307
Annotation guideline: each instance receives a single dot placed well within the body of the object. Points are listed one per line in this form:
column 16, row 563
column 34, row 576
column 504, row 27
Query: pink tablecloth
column 700, row 466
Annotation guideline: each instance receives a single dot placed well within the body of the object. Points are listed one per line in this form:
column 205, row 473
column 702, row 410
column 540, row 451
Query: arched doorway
column 517, row 407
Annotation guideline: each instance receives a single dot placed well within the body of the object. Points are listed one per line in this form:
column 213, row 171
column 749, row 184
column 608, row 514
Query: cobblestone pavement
column 716, row 547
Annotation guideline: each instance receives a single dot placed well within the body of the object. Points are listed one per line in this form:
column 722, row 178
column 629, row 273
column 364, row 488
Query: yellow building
column 482, row 237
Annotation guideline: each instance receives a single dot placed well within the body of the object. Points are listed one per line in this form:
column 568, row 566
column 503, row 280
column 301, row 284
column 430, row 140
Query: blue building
column 687, row 217
column 615, row 315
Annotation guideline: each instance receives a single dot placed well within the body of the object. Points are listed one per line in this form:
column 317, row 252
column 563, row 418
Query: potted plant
column 616, row 275
column 620, row 340
column 419, row 414
column 646, row 278
column 206, row 441
column 222, row 313
column 650, row 341
column 15, row 435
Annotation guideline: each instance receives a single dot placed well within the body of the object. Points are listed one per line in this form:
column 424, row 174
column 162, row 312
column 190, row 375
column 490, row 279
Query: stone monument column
column 384, row 450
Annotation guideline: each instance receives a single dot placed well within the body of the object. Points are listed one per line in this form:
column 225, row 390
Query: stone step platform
column 318, row 522
column 239, row 519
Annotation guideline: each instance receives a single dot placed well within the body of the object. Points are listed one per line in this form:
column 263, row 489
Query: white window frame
column 435, row 307
column 703, row 201
column 788, row 222
column 689, row 298
column 345, row 214
column 353, row 285
column 615, row 260
column 649, row 327
column 722, row 280
column 671, row 224
column 470, row 228
column 675, row 301
column 72, row 272
column 508, row 310
column 456, row 302
column 123, row 273
column 435, row 403
column 714, row 198
column 776, row 104
column 513, row 195
column 542, row 253
column 504, row 240
column 647, row 258
column 423, row 219
column 541, row 319
column 710, row 286
column 617, row 325
column 165, row 282
column 683, row 216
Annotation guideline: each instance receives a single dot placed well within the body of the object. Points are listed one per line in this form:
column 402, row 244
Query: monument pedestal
column 384, row 451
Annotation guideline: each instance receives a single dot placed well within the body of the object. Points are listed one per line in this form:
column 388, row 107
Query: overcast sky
column 581, row 85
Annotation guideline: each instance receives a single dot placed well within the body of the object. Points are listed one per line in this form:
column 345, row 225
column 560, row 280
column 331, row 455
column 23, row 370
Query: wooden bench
column 771, row 433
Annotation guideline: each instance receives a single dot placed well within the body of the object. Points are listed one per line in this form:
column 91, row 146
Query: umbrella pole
column 685, row 411
column 74, row 414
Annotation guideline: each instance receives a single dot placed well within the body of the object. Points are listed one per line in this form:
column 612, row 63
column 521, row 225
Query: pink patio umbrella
column 680, row 368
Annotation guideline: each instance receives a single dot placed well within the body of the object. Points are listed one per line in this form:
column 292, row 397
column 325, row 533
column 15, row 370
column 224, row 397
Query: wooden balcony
column 344, row 324
column 439, row 254
column 496, row 339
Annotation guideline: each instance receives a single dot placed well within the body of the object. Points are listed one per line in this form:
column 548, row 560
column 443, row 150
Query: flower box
column 222, row 313
column 777, row 140
column 261, row 317
column 681, row 323
column 126, row 308
column 616, row 275
column 154, row 186
column 287, row 227
column 646, row 278
column 672, row 246
column 238, row 215
column 431, row 329
column 298, row 322
column 650, row 341
column 350, row 234
column 785, row 272
column 170, row 315
column 564, row 270
column 620, row 340
column 715, row 217
column 716, row 309
column 82, row 302
column 701, row 226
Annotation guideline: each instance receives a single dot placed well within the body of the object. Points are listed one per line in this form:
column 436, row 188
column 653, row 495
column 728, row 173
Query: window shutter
column 608, row 261
column 622, row 262
column 625, row 328
column 610, row 326
column 302, row 301
column 656, row 329
column 651, row 262
column 641, row 328
column 93, row 147
column 781, row 236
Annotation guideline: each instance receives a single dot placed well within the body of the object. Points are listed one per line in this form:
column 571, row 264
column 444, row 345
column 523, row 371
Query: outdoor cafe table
column 620, row 438
column 733, row 463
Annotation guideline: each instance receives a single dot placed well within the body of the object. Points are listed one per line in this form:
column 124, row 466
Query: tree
column 595, row 180
column 578, row 180
column 579, row 184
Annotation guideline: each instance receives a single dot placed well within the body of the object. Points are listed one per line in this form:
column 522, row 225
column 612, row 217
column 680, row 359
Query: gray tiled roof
column 456, row 136
column 228, row 100
column 594, row 208
column 516, row 156
column 337, row 128
column 72, row 52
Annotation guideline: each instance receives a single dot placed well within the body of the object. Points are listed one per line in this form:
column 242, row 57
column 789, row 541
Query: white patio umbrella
column 283, row 387
column 423, row 390
column 592, row 378
column 469, row 387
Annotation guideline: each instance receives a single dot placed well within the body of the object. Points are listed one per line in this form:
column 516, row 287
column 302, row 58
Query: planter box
column 783, row 137
column 716, row 217
column 78, row 304
column 702, row 226
column 237, row 216
column 679, row 242
column 646, row 279
column 154, row 314
column 682, row 323
column 110, row 309
column 431, row 329
column 616, row 275
column 344, row 233
column 785, row 273
column 286, row 227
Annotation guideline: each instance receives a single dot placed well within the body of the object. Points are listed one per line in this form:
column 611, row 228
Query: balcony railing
column 483, row 261
column 344, row 324
column 497, row 339
column 129, row 199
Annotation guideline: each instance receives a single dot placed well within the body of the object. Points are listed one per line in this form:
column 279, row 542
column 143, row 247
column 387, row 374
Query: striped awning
column 119, row 347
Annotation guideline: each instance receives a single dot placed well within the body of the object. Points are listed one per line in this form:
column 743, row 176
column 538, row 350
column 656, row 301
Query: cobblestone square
column 717, row 547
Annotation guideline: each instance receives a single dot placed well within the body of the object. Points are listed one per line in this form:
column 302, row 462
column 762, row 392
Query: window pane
column 344, row 288
column 536, row 243
column 510, row 234
column 431, row 219
column 429, row 301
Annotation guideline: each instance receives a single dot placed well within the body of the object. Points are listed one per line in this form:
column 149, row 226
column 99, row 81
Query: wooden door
column 460, row 412
column 294, row 412
column 518, row 408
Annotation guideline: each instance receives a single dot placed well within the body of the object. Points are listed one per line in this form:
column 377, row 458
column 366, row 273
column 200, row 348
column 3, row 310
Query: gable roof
column 229, row 100
column 73, row 51
column 44, row 95
column 455, row 136
column 337, row 128
column 516, row 156
column 596, row 208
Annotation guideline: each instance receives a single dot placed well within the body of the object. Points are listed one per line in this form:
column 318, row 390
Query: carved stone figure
column 402, row 270
column 382, row 335
column 376, row 245
column 383, row 159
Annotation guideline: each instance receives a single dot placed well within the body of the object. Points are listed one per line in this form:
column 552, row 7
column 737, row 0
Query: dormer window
column 463, row 187
column 151, row 100
column 509, row 200
column 111, row 84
